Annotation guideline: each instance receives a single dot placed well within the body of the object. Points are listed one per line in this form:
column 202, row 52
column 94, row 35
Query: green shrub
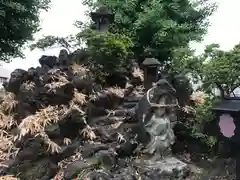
column 108, row 52
column 204, row 116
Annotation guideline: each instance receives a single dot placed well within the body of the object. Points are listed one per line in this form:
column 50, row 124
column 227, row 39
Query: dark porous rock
column 94, row 111
column 32, row 161
column 33, row 75
column 97, row 174
column 60, row 95
column 43, row 169
column 126, row 149
column 63, row 58
column 30, row 150
column 49, row 61
column 78, row 167
column 84, row 85
column 107, row 100
column 67, row 151
column 105, row 135
column 107, row 158
column 127, row 173
column 41, row 71
column 23, row 110
column 116, row 79
column 88, row 150
column 53, row 131
column 28, row 102
column 18, row 76
column 129, row 105
column 70, row 129
column 71, row 123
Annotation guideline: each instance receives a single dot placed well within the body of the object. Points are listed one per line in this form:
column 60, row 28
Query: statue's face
column 161, row 111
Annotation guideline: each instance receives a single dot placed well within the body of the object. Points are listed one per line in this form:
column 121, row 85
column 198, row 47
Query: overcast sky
column 225, row 28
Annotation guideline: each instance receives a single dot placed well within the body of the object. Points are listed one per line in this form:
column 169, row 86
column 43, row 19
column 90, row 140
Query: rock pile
column 56, row 114
column 57, row 123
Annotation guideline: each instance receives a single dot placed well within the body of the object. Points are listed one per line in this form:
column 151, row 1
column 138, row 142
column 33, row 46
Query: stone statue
column 155, row 112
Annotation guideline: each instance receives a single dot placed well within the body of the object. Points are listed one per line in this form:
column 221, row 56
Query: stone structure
column 150, row 72
column 102, row 19
column 156, row 116
column 155, row 112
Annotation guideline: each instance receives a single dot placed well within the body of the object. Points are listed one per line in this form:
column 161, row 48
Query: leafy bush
column 108, row 52
column 203, row 117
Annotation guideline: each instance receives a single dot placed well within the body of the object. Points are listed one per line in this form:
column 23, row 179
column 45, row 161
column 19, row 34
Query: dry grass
column 80, row 69
column 198, row 97
column 117, row 91
column 58, row 79
column 29, row 85
column 36, row 124
column 138, row 73
column 189, row 110
column 7, row 148
column 9, row 103
column 8, row 177
column 88, row 133
column 79, row 98
column 54, row 85
column 6, row 121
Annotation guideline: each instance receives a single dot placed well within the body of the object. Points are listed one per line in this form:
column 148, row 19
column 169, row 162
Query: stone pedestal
column 169, row 167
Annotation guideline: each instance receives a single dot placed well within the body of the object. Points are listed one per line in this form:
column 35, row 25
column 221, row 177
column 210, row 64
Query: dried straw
column 117, row 91
column 137, row 72
column 9, row 103
column 198, row 97
column 36, row 124
column 8, row 177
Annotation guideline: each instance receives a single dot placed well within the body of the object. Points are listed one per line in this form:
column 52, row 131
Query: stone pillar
column 150, row 72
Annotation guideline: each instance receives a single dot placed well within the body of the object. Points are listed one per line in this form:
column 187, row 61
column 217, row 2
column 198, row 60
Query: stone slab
column 169, row 166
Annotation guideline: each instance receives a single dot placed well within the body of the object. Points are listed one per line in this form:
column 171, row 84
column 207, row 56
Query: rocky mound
column 55, row 121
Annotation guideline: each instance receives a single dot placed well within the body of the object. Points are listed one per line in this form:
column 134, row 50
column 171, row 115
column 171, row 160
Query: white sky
column 225, row 28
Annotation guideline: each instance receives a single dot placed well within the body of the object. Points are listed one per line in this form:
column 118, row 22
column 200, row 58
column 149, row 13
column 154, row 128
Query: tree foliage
column 51, row 41
column 157, row 27
column 221, row 69
column 185, row 62
column 108, row 52
column 19, row 20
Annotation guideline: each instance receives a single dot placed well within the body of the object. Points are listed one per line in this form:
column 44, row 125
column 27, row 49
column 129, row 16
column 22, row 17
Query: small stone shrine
column 228, row 125
column 150, row 72
column 102, row 19
column 228, row 113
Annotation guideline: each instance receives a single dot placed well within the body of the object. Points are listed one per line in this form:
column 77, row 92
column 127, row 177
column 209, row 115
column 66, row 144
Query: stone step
column 129, row 104
column 131, row 99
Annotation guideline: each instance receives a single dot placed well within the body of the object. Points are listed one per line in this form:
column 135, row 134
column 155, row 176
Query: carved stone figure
column 155, row 112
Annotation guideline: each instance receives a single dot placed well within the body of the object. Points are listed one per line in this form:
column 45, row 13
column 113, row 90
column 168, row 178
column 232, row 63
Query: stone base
column 170, row 167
